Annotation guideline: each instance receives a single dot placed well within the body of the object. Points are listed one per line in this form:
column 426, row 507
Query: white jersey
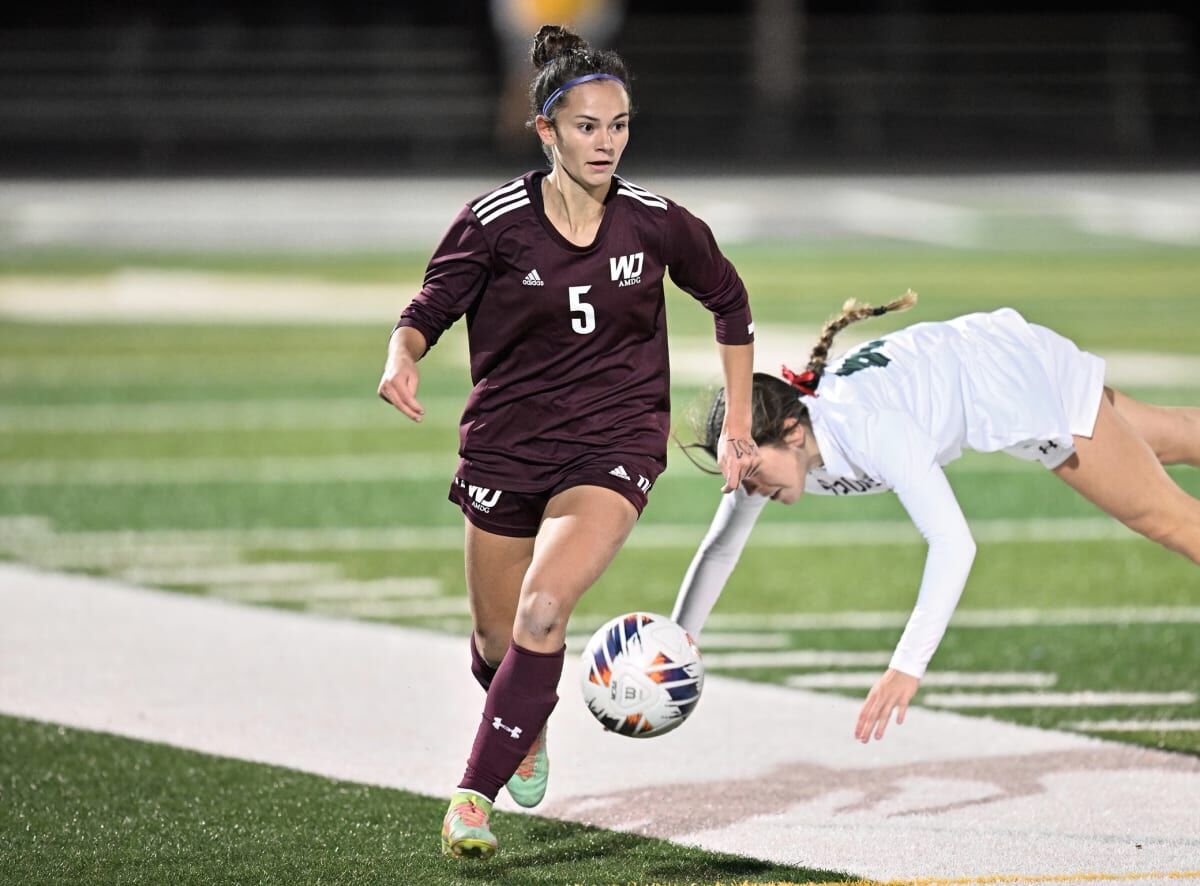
column 890, row 414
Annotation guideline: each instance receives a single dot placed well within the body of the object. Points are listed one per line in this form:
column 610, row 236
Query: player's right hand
column 399, row 387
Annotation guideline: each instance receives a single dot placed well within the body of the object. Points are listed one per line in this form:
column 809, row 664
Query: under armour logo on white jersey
column 514, row 731
column 533, row 278
column 627, row 269
column 619, row 471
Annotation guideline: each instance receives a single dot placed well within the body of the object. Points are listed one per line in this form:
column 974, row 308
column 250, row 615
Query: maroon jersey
column 569, row 343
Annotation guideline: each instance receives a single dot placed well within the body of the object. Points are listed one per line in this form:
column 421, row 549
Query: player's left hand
column 737, row 457
column 893, row 691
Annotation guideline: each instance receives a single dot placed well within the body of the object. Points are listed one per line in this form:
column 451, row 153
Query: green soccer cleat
column 465, row 831
column 528, row 784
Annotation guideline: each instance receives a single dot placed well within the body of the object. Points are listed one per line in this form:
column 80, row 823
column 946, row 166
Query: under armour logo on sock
column 514, row 731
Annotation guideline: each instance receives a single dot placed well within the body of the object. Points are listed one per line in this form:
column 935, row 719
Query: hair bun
column 551, row 41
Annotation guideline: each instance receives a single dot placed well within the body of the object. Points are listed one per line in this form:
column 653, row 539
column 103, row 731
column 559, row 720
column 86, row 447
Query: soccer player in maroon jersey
column 560, row 276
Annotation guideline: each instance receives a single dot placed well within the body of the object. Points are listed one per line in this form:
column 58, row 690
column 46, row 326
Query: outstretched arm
column 930, row 502
column 715, row 559
column 737, row 453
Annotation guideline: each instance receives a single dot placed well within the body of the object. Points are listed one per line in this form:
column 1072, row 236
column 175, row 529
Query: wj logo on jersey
column 627, row 269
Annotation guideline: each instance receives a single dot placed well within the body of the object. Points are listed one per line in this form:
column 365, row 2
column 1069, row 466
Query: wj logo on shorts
column 482, row 498
column 514, row 731
column 627, row 269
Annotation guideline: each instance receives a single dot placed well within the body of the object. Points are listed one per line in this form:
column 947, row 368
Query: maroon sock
column 484, row 672
column 519, row 703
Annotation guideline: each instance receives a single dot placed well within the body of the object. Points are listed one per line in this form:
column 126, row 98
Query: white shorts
column 1069, row 404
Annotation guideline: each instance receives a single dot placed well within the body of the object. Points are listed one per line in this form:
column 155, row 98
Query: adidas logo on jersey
column 619, row 471
column 533, row 279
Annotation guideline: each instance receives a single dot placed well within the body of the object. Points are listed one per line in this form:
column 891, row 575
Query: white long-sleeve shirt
column 890, row 421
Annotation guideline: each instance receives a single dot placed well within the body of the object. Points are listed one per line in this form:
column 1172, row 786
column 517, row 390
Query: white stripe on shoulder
column 479, row 205
column 497, row 212
column 514, row 197
column 638, row 189
column 642, row 199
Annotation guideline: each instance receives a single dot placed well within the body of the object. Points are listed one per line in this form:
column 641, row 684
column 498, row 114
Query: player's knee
column 492, row 643
column 1172, row 529
column 542, row 616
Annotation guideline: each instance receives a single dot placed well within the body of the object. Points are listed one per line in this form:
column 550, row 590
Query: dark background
column 357, row 88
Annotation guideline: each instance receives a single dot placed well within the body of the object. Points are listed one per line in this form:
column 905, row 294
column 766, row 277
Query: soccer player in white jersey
column 891, row 414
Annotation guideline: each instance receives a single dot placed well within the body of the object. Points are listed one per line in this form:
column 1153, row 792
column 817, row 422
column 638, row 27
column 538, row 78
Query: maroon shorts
column 519, row 514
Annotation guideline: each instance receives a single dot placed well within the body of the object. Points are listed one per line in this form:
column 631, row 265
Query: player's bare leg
column 1173, row 432
column 1118, row 470
column 582, row 530
column 495, row 569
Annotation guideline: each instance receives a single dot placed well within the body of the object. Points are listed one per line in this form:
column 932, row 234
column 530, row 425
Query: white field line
column 232, row 573
column 795, row 658
column 825, row 534
column 1134, row 725
column 969, row 618
column 949, row 796
column 188, row 471
column 392, row 608
column 355, row 591
column 867, row 679
column 906, row 218
column 217, row 415
column 712, row 640
column 1054, row 699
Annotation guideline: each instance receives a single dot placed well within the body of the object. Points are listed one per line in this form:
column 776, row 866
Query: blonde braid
column 852, row 311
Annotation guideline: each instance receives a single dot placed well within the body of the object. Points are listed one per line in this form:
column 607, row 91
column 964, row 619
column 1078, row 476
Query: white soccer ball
column 641, row 675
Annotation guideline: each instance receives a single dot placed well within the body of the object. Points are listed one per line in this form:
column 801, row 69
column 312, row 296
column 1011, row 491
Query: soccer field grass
column 254, row 463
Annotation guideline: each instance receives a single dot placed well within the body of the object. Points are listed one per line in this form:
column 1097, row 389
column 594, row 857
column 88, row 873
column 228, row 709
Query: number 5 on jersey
column 587, row 322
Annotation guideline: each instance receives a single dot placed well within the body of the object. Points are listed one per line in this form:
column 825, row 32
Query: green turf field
column 150, row 814
column 157, row 453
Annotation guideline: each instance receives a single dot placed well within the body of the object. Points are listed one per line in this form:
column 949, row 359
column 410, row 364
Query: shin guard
column 519, row 703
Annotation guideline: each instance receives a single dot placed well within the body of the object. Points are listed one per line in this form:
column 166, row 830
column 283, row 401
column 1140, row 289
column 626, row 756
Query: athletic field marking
column 712, row 640
column 662, row 536
column 795, row 658
column 231, row 574
column 392, row 608
column 963, row 618
column 336, row 697
column 217, row 415
column 370, row 590
column 867, row 679
column 188, row 471
column 1055, row 699
column 906, row 218
column 1134, row 725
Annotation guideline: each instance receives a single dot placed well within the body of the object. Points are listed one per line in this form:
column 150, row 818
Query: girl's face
column 782, row 469
column 589, row 133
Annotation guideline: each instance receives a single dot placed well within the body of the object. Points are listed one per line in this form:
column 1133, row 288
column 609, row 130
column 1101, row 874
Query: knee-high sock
column 519, row 703
column 484, row 672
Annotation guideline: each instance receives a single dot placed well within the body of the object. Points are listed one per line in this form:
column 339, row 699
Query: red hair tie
column 805, row 382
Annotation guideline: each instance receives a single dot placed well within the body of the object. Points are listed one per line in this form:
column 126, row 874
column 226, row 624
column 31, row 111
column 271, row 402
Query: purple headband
column 558, row 93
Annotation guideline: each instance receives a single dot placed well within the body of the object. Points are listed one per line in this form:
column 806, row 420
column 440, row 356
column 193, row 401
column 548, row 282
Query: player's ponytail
column 774, row 403
column 852, row 311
